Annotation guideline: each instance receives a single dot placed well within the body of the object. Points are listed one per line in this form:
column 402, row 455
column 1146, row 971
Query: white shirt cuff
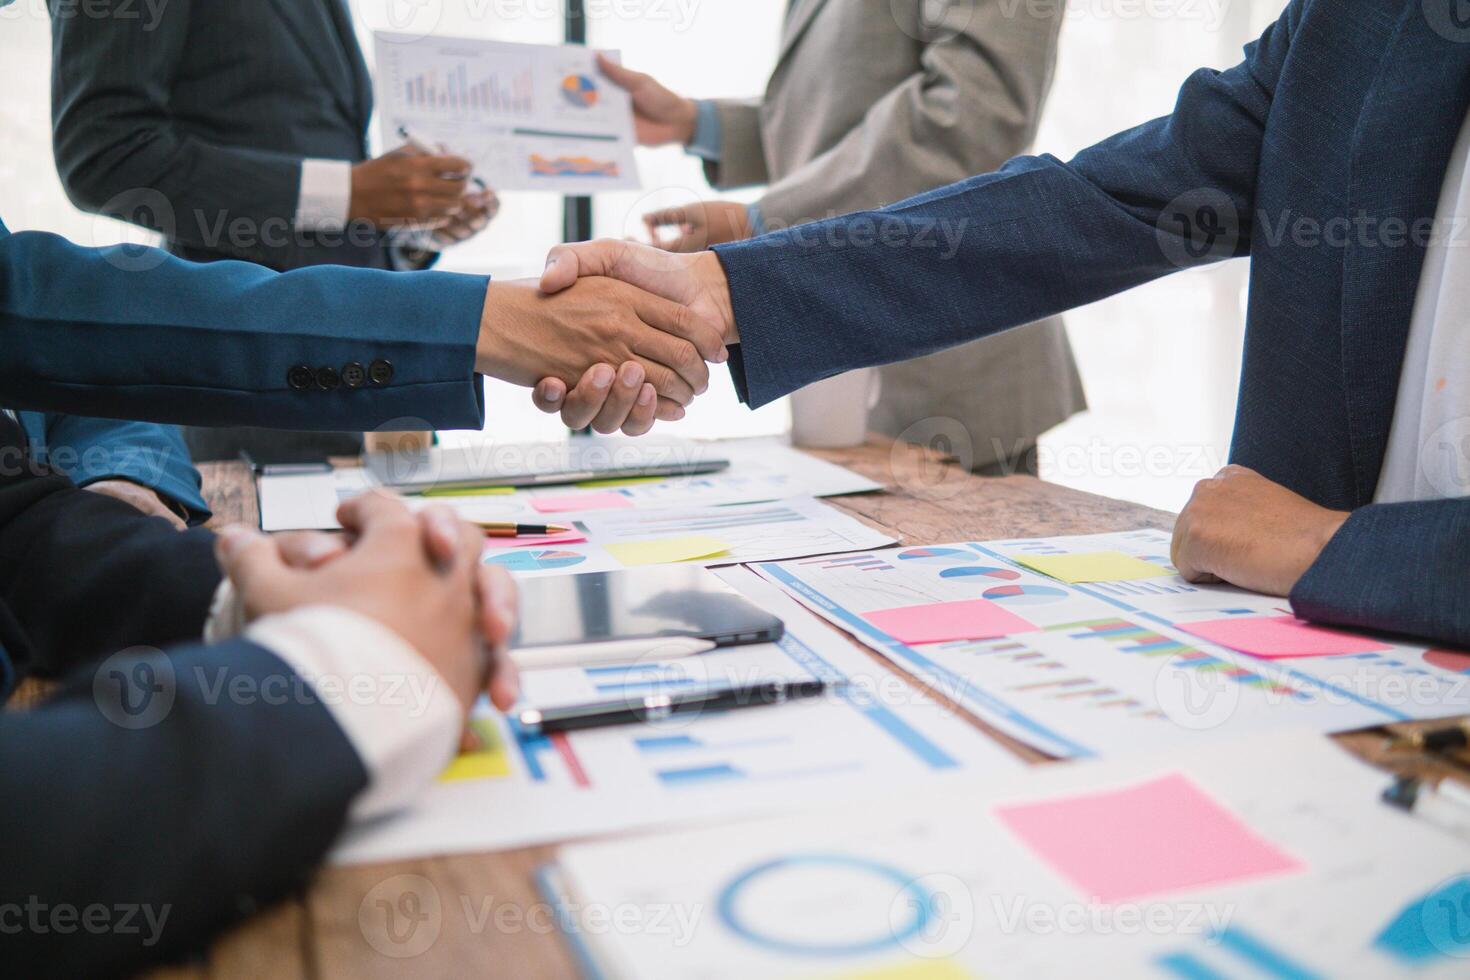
column 326, row 195
column 398, row 713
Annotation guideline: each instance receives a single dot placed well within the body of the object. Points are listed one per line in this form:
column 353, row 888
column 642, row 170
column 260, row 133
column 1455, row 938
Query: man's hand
column 474, row 214
column 1241, row 528
column 660, row 116
column 698, row 226
column 526, row 336
column 408, row 187
column 140, row 497
column 404, row 572
column 607, row 399
column 696, row 282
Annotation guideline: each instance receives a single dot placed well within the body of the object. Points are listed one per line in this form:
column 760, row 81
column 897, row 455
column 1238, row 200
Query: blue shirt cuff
column 708, row 142
column 757, row 223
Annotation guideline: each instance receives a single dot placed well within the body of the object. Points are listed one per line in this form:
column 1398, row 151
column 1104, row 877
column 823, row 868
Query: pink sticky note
column 1273, row 637
column 1165, row 835
column 967, row 619
column 536, row 541
column 580, row 501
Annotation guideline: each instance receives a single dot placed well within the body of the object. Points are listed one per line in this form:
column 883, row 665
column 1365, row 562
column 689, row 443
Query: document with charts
column 878, row 736
column 1131, row 658
column 530, row 116
column 1269, row 858
column 761, row 470
column 612, row 540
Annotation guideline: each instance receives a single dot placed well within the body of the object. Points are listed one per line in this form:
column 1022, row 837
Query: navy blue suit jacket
column 134, row 333
column 142, row 783
column 1341, row 120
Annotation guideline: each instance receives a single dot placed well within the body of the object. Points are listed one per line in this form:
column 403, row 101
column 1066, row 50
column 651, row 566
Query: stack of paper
column 761, row 470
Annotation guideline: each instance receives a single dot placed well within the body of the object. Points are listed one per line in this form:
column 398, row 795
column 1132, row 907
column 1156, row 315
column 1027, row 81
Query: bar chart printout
column 530, row 116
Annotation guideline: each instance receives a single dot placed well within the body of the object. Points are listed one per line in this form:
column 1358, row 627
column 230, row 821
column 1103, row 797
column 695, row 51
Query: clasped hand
column 419, row 575
column 615, row 335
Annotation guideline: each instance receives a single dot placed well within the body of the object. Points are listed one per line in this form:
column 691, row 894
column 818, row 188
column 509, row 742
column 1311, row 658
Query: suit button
column 300, row 377
column 328, row 378
column 380, row 372
column 354, row 375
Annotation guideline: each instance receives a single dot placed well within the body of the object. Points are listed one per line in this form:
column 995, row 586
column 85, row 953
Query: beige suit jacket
column 870, row 104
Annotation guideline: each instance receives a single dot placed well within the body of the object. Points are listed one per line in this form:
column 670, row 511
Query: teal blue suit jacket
column 134, row 333
column 89, row 450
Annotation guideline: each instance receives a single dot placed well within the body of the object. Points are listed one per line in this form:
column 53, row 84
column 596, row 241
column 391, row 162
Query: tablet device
column 633, row 609
column 576, row 460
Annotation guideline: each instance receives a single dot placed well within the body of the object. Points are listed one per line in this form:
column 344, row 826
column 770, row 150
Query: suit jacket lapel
column 798, row 18
column 1412, row 113
column 311, row 25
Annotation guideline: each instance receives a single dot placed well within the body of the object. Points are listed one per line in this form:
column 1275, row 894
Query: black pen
column 623, row 711
column 408, row 138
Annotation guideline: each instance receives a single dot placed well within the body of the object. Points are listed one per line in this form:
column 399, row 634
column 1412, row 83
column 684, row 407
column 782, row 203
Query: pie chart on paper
column 580, row 91
column 966, row 571
column 936, row 556
column 536, row 561
column 1024, row 595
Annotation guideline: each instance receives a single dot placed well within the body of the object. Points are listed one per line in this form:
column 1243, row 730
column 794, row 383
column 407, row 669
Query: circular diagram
column 824, row 905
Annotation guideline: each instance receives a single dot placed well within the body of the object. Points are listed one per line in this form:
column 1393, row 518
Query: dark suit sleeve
column 166, row 797
column 1395, row 568
column 117, row 147
column 85, row 576
column 1031, row 240
column 135, row 333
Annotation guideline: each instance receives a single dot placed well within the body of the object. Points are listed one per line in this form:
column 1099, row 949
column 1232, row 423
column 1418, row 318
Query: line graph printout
column 1099, row 668
column 530, row 116
column 870, row 738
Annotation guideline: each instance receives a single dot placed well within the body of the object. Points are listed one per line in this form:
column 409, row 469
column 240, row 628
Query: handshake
column 615, row 335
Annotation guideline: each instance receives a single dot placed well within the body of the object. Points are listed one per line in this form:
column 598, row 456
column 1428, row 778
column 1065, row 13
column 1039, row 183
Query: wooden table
column 928, row 501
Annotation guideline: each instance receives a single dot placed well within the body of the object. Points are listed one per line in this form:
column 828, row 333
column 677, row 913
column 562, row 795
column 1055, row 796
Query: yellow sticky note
column 915, row 969
column 1094, row 566
column 631, row 481
column 487, row 762
column 663, row 551
column 471, row 492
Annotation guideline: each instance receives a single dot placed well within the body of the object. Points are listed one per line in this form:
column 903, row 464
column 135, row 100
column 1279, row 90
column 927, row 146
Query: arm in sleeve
column 973, row 104
column 134, row 333
column 1031, row 240
column 141, row 582
column 154, row 456
column 742, row 158
column 187, row 745
column 1418, row 587
column 193, row 787
column 118, row 149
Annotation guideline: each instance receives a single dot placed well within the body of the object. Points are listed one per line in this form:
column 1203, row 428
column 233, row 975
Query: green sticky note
column 631, row 481
column 470, row 492
column 1093, row 566
column 664, row 551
